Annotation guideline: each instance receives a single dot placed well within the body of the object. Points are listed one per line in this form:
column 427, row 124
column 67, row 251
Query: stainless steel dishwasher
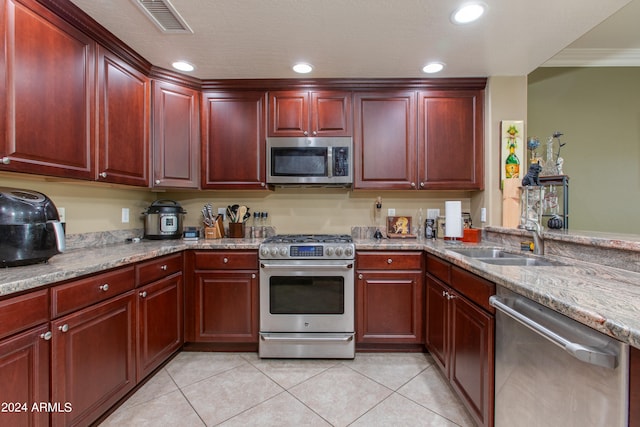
column 553, row 371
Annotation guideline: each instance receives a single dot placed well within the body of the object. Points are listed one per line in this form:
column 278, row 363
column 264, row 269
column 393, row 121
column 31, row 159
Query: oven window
column 309, row 161
column 306, row 295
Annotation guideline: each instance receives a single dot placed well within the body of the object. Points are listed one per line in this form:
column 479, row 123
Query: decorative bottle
column 512, row 164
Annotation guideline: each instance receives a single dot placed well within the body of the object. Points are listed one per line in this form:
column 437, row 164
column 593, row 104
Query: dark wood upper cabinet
column 124, row 121
column 176, row 136
column 233, row 140
column 47, row 93
column 310, row 113
column 385, row 140
column 450, row 140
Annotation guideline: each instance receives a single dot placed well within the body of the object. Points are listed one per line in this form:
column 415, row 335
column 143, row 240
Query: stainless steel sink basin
column 521, row 260
column 486, row 253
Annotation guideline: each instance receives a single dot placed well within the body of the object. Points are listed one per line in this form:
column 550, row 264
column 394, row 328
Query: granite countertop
column 604, row 298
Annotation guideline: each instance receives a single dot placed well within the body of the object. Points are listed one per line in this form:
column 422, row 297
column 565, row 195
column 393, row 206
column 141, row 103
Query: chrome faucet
column 538, row 240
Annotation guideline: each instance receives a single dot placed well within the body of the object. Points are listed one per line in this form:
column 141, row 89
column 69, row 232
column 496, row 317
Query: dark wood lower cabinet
column 24, row 369
column 160, row 323
column 634, row 388
column 459, row 333
column 92, row 360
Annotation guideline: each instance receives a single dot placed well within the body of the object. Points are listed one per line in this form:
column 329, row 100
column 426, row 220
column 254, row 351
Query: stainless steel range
column 307, row 296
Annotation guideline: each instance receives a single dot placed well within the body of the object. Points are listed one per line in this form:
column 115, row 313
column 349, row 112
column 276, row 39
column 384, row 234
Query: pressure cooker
column 163, row 220
column 30, row 229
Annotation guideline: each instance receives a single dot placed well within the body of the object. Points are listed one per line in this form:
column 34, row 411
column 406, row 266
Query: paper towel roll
column 453, row 219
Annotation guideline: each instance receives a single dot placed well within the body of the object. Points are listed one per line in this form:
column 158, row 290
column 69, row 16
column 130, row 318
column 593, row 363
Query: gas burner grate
column 310, row 238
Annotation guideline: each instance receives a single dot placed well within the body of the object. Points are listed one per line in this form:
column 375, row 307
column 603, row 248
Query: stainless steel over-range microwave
column 310, row 161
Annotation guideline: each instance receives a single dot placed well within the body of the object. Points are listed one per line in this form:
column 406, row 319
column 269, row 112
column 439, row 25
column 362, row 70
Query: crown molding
column 595, row 58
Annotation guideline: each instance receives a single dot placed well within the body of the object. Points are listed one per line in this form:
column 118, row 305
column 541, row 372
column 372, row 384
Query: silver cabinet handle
column 102, row 174
column 63, row 328
column 104, row 287
column 158, row 181
column 360, row 276
column 225, row 260
column 315, row 133
column 163, row 267
column 46, row 336
column 422, row 185
column 253, row 276
column 262, row 184
column 305, row 133
column 6, row 160
column 143, row 294
column 413, row 185
column 389, row 261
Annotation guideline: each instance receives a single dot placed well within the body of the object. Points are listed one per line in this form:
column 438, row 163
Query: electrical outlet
column 223, row 212
column 391, row 212
column 62, row 214
column 125, row 215
column 483, row 214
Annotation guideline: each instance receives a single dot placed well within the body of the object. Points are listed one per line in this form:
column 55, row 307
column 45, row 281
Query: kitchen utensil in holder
column 236, row 229
column 532, row 204
column 215, row 232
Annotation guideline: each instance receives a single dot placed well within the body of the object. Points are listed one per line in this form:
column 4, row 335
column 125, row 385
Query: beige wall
column 97, row 207
column 598, row 110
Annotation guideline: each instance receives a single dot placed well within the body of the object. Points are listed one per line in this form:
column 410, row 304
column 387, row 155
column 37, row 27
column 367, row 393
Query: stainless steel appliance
column 307, row 296
column 310, row 161
column 163, row 220
column 30, row 229
column 553, row 371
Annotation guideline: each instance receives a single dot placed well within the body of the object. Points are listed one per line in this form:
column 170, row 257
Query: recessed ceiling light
column 183, row 66
column 302, row 68
column 468, row 13
column 433, row 67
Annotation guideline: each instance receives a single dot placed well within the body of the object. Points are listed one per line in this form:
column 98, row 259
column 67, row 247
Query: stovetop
column 308, row 246
column 309, row 238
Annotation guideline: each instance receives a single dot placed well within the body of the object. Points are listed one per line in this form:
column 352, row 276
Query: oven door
column 303, row 296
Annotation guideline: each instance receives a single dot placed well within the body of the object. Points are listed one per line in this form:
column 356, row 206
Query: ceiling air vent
column 164, row 15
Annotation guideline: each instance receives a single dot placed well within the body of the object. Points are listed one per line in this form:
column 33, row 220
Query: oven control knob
column 329, row 251
column 274, row 251
column 284, row 251
column 264, row 251
column 339, row 251
column 348, row 251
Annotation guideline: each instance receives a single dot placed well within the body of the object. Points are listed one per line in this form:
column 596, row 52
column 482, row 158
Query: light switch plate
column 125, row 215
column 391, row 212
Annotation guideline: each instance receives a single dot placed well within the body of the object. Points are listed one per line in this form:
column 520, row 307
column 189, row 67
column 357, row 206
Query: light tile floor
column 240, row 389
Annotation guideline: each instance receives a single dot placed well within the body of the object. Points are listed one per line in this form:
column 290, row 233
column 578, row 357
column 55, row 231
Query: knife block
column 215, row 232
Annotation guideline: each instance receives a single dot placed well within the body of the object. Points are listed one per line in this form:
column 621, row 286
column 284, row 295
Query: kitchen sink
column 486, row 253
column 497, row 256
column 520, row 260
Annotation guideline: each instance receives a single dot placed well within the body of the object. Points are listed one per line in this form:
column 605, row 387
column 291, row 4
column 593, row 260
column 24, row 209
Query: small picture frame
column 399, row 227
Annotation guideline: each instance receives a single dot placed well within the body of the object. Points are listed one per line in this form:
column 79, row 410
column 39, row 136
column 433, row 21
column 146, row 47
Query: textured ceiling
column 357, row 38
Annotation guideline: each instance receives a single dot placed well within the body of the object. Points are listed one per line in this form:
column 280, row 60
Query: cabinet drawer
column 473, row 287
column 24, row 311
column 226, row 260
column 389, row 260
column 150, row 271
column 84, row 292
column 439, row 268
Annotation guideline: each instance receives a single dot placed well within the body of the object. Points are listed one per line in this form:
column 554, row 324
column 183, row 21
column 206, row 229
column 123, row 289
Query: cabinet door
column 24, row 369
column 123, row 104
column 176, row 137
column 289, row 113
column 331, row 113
column 46, row 93
column 450, row 140
column 385, row 140
column 233, row 144
column 92, row 359
column 226, row 306
column 471, row 371
column 437, row 322
column 389, row 307
column 160, row 322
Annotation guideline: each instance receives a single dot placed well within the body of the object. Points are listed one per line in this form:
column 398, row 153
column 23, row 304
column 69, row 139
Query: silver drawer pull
column 389, row 261
column 143, row 294
column 225, row 260
column 46, row 336
column 63, row 328
column 163, row 267
column 104, row 287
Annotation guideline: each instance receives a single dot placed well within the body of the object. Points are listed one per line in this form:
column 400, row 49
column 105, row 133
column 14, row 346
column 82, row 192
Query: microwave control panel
column 340, row 161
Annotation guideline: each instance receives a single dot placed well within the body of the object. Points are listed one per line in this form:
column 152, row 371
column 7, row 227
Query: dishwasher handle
column 591, row 355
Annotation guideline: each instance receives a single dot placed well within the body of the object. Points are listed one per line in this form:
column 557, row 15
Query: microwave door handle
column 330, row 162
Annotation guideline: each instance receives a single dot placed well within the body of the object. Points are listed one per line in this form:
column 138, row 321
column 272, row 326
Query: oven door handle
column 344, row 338
column 345, row 266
